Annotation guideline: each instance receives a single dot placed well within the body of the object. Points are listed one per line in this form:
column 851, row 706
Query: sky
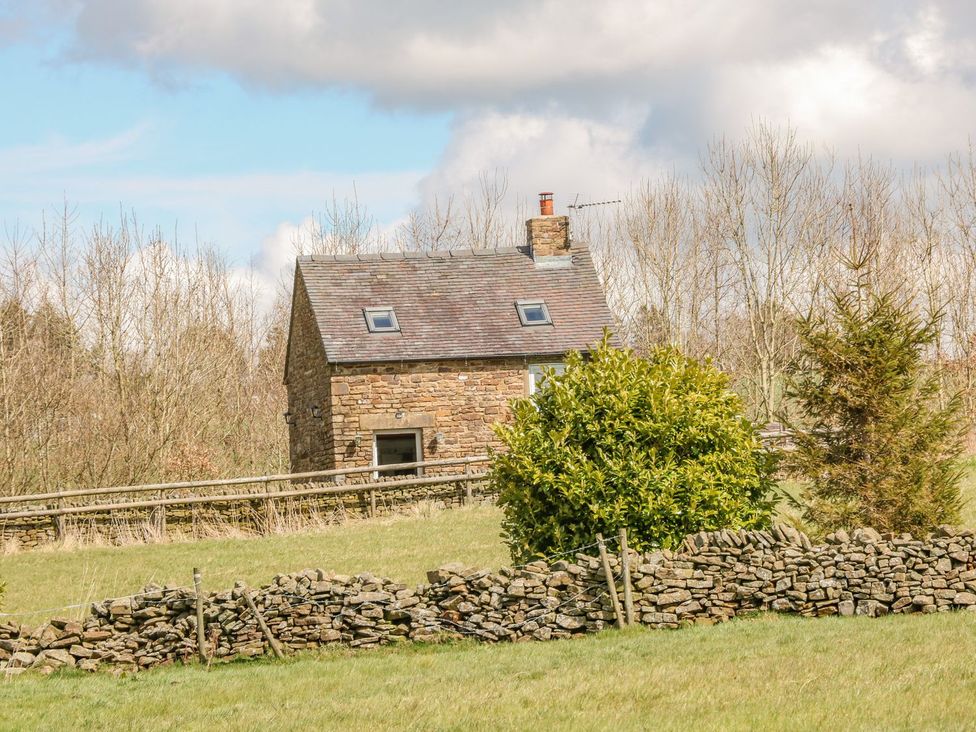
column 233, row 121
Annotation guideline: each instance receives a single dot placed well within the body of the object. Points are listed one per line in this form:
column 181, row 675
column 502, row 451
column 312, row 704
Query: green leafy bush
column 874, row 446
column 657, row 445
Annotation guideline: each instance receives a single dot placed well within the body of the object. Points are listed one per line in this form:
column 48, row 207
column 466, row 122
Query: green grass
column 906, row 672
column 402, row 548
column 771, row 672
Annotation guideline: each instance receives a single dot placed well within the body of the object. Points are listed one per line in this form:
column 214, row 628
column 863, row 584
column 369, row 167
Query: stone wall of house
column 310, row 438
column 246, row 516
column 714, row 577
column 458, row 399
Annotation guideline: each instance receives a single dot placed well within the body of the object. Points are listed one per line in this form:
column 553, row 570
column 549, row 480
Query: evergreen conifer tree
column 875, row 443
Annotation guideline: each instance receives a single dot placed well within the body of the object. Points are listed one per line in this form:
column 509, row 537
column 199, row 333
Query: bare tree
column 430, row 228
column 767, row 204
column 345, row 226
column 660, row 224
column 480, row 218
column 125, row 356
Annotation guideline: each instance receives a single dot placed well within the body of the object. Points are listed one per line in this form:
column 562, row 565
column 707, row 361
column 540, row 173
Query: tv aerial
column 577, row 205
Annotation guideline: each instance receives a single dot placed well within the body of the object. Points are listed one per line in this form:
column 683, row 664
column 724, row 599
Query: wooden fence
column 775, row 436
column 58, row 504
column 76, row 502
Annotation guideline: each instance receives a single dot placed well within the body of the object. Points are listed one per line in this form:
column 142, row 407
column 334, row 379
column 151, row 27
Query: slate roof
column 454, row 304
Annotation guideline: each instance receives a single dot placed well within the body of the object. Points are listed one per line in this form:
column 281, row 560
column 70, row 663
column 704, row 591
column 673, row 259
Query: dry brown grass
column 87, row 533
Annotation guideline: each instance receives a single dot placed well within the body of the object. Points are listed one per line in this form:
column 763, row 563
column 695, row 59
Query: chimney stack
column 548, row 235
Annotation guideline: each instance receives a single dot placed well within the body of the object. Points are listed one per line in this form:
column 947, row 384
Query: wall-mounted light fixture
column 289, row 418
column 357, row 440
column 399, row 415
column 315, row 411
column 439, row 439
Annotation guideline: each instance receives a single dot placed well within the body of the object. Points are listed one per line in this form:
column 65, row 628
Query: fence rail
column 336, row 477
column 59, row 504
column 775, row 436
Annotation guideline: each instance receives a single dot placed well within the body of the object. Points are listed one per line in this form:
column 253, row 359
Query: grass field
column 402, row 548
column 905, row 672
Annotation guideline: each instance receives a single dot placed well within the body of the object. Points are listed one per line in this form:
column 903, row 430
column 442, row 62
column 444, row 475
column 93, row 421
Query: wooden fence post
column 159, row 514
column 201, row 638
column 269, row 511
column 272, row 641
column 467, row 484
column 58, row 519
column 625, row 564
column 611, row 585
column 372, row 502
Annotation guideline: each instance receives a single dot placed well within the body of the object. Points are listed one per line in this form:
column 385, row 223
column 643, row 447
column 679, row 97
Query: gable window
column 537, row 376
column 381, row 320
column 533, row 312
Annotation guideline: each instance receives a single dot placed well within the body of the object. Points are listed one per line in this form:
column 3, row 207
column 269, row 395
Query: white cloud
column 427, row 52
column 568, row 155
column 569, row 95
column 269, row 268
column 844, row 98
column 924, row 44
column 834, row 68
column 60, row 154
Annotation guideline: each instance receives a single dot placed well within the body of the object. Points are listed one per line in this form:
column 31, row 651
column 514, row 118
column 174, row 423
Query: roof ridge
column 392, row 256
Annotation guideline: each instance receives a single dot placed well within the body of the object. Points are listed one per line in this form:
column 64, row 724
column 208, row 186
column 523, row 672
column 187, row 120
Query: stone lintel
column 391, row 422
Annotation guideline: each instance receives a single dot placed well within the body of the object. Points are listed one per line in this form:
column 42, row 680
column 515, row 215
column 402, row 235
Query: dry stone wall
column 714, row 577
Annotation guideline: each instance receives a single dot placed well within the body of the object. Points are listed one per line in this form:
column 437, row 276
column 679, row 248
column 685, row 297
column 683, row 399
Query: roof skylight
column 533, row 312
column 381, row 320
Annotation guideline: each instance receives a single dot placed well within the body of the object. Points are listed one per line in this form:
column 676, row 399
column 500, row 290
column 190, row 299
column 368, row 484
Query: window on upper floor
column 381, row 320
column 533, row 312
column 537, row 374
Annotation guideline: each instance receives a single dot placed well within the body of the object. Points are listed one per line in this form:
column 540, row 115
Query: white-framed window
column 391, row 447
column 537, row 376
column 381, row 320
column 533, row 312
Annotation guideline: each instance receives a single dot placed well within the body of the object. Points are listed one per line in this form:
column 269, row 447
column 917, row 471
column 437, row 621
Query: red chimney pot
column 545, row 203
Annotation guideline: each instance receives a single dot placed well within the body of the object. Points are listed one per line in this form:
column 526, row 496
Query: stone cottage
column 403, row 357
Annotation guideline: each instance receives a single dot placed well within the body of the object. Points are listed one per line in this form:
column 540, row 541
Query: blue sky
column 238, row 119
column 104, row 137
